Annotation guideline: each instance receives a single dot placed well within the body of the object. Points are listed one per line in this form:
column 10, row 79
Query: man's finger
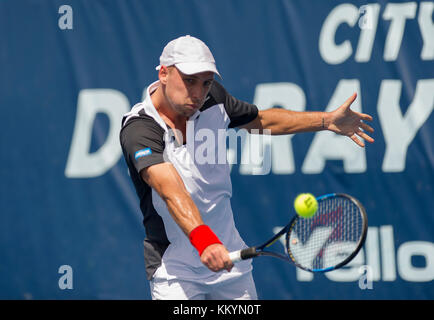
column 229, row 266
column 357, row 141
column 365, row 136
column 350, row 100
column 365, row 116
column 366, row 127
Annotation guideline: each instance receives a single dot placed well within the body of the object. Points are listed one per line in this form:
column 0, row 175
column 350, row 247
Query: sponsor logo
column 142, row 153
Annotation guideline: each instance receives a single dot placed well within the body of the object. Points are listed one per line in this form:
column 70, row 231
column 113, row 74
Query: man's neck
column 171, row 119
column 162, row 106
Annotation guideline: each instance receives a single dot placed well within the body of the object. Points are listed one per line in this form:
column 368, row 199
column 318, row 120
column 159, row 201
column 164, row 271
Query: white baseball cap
column 189, row 54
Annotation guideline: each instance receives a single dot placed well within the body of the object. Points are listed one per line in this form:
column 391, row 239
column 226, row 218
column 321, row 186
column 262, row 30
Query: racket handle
column 237, row 256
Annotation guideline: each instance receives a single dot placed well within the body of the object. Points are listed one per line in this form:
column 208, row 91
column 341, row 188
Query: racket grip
column 237, row 256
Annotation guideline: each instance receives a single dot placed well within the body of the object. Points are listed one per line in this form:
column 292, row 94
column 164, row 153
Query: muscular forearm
column 164, row 179
column 281, row 121
column 184, row 211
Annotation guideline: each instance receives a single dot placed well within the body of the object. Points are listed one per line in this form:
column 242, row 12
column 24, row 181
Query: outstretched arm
column 343, row 121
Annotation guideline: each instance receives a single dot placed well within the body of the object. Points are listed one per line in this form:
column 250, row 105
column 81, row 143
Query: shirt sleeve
column 239, row 112
column 142, row 142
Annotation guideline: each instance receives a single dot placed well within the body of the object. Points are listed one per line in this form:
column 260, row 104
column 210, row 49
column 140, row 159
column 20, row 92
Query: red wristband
column 201, row 237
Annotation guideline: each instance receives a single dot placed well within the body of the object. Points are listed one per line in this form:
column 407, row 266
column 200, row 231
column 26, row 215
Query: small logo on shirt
column 142, row 153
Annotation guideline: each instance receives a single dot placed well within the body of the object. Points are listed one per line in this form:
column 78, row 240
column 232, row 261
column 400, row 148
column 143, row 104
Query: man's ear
column 162, row 74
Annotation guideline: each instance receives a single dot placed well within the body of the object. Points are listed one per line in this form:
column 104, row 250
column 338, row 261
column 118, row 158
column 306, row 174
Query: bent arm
column 165, row 180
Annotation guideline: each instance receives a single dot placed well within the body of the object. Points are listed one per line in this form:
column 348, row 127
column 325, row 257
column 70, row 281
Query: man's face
column 185, row 93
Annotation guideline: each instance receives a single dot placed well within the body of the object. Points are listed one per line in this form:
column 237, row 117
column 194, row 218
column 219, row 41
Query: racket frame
column 256, row 251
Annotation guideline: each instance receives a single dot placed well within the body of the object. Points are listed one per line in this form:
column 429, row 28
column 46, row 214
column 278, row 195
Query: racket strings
column 329, row 237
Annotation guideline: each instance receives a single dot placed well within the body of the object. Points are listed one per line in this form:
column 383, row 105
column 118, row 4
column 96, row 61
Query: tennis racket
column 325, row 242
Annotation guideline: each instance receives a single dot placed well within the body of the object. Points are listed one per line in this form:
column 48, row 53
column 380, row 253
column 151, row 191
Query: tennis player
column 185, row 203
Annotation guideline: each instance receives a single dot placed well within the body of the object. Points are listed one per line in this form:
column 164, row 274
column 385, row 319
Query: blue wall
column 67, row 75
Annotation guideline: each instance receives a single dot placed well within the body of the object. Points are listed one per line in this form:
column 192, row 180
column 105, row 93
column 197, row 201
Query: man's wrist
column 325, row 120
column 201, row 237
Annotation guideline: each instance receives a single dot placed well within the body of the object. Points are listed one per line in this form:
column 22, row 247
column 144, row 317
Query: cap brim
column 197, row 67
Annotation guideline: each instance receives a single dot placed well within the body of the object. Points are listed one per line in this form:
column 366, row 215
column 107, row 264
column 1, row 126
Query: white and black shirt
column 146, row 140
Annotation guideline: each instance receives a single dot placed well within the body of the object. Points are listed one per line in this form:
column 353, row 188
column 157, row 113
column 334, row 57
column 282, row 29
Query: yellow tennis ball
column 305, row 205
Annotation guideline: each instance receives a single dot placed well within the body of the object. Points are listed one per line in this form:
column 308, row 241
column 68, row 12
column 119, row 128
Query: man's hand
column 347, row 122
column 216, row 258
